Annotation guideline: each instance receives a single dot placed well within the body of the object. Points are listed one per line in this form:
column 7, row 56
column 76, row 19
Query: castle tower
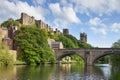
column 27, row 20
column 65, row 31
column 83, row 37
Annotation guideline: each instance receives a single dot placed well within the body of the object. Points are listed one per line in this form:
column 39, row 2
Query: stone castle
column 30, row 20
column 7, row 35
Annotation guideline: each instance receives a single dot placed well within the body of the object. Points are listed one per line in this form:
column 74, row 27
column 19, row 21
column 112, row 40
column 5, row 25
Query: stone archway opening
column 103, row 60
column 108, row 59
column 71, row 58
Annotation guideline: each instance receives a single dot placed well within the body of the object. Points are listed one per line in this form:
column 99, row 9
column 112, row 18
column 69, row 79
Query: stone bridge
column 88, row 55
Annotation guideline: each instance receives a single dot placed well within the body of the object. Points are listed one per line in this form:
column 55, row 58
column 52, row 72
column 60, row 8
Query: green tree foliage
column 73, row 39
column 10, row 22
column 5, row 57
column 116, row 44
column 115, row 59
column 82, row 44
column 66, row 41
column 33, row 46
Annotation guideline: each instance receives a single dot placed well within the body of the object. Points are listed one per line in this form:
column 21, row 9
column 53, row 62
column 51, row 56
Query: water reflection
column 8, row 73
column 57, row 72
column 106, row 70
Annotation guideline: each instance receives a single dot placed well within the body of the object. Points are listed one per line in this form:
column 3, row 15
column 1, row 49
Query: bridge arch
column 105, row 53
column 68, row 53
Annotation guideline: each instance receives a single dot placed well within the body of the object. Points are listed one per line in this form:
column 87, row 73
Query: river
column 60, row 72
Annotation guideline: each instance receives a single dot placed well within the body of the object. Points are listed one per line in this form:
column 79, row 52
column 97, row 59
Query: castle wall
column 40, row 24
column 27, row 20
column 30, row 20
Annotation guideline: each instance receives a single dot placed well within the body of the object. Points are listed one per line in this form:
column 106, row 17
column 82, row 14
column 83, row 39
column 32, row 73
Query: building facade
column 55, row 45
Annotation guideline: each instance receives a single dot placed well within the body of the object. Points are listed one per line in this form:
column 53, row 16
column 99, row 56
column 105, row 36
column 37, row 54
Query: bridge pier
column 88, row 58
column 89, row 63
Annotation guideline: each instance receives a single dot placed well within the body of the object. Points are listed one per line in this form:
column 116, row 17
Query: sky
column 99, row 19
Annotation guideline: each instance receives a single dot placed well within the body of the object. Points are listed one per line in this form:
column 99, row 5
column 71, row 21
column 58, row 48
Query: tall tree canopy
column 5, row 57
column 33, row 45
column 115, row 59
column 10, row 22
column 73, row 39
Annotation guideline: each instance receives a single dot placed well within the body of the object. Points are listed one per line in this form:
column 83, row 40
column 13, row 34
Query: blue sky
column 100, row 19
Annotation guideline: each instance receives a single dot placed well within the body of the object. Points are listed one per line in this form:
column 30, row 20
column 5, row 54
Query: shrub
column 5, row 57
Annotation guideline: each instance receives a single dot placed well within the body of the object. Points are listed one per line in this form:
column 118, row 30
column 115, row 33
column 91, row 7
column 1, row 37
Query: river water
column 60, row 72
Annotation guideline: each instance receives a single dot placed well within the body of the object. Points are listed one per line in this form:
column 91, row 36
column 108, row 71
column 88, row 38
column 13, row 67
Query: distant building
column 30, row 20
column 55, row 45
column 65, row 32
column 26, row 19
column 40, row 24
column 50, row 41
column 7, row 36
column 57, row 31
column 12, row 31
column 83, row 37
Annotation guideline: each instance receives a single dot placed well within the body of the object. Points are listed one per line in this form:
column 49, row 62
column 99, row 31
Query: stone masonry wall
column 27, row 20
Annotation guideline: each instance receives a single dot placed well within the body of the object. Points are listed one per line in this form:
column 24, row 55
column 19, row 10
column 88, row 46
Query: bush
column 5, row 57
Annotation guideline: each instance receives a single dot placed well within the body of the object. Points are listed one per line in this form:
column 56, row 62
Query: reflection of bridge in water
column 78, row 72
column 88, row 55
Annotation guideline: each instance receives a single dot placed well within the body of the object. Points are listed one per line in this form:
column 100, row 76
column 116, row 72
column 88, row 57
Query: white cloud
column 99, row 7
column 64, row 14
column 115, row 27
column 98, row 26
column 96, row 21
column 10, row 9
column 39, row 2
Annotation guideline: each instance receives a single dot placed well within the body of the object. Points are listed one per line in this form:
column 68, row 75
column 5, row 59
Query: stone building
column 65, row 31
column 55, row 45
column 30, row 20
column 83, row 37
column 26, row 19
column 40, row 24
column 12, row 31
column 7, row 36
column 57, row 31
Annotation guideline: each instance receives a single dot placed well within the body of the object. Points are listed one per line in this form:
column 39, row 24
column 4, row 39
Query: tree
column 116, row 44
column 5, row 57
column 10, row 22
column 82, row 44
column 73, row 39
column 115, row 59
column 66, row 41
column 33, row 46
